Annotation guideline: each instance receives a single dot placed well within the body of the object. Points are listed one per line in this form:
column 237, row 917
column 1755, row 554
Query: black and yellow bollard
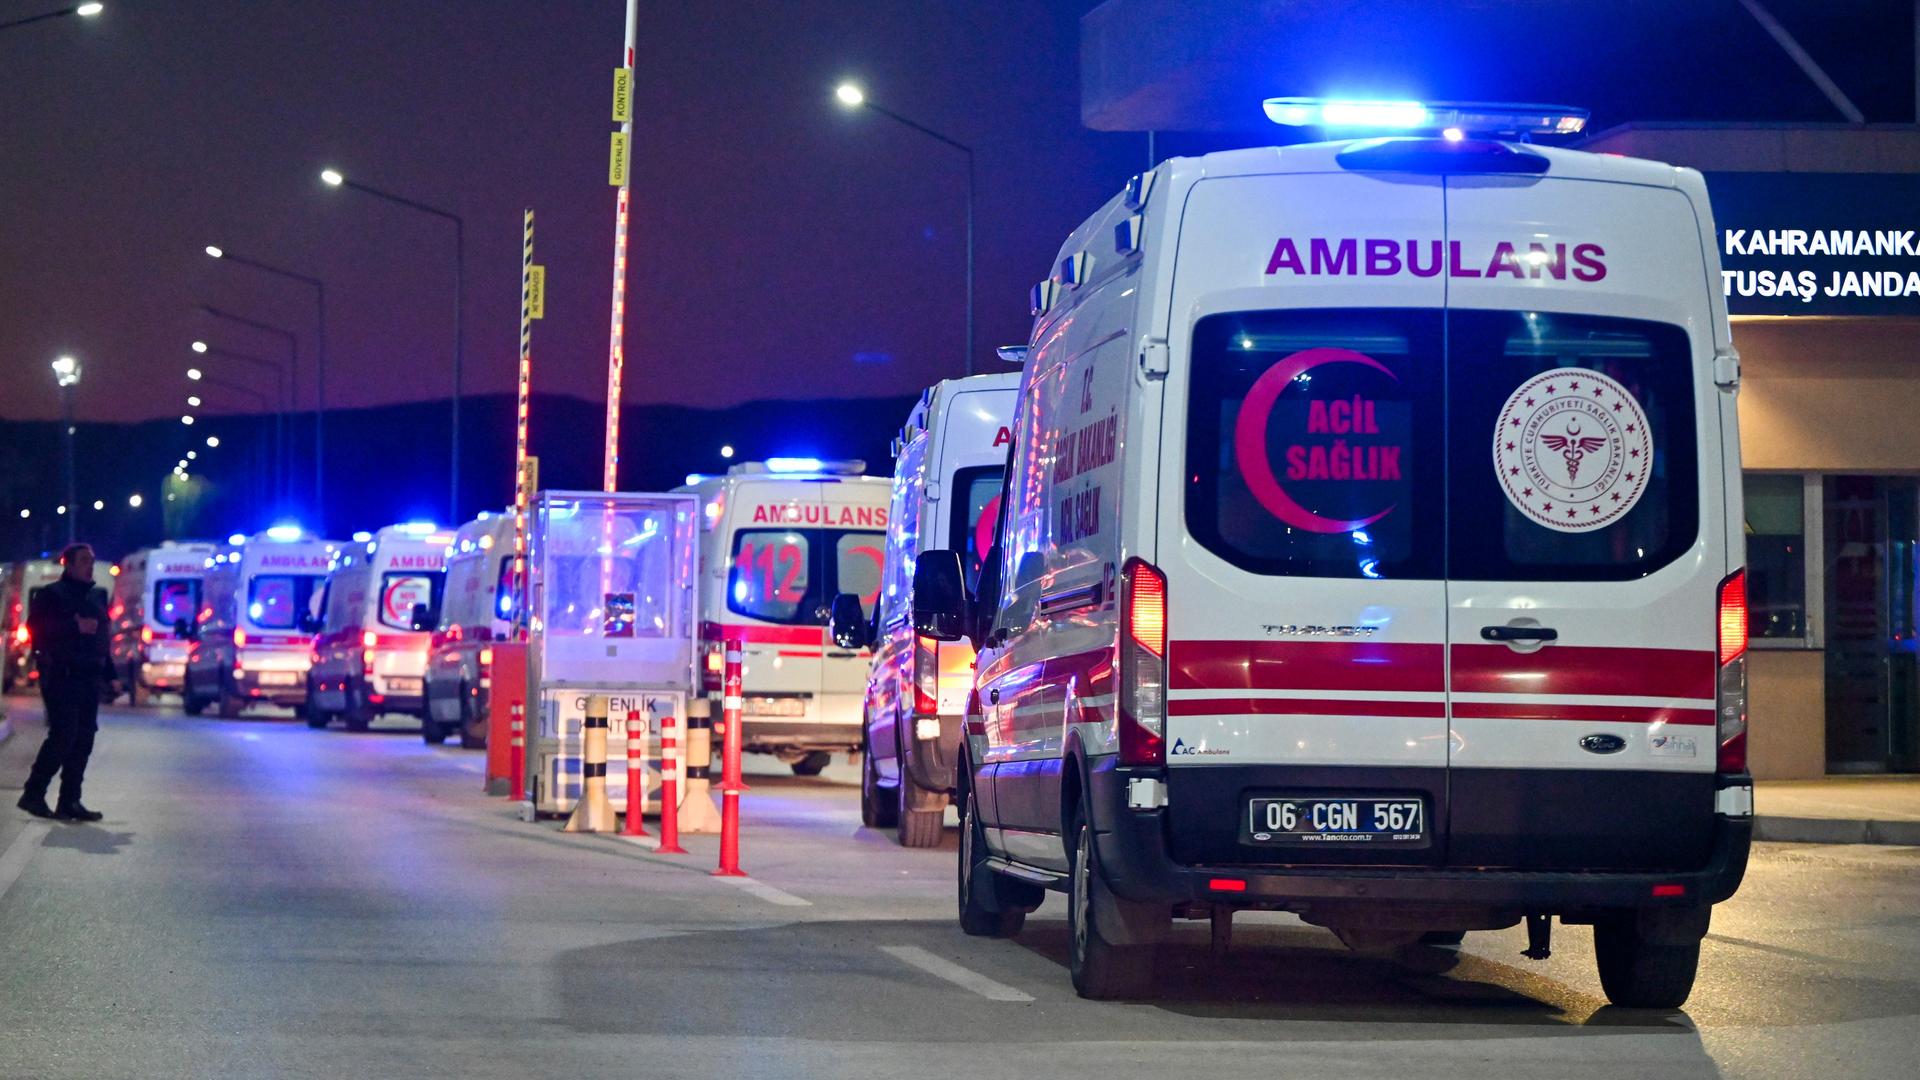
column 593, row 813
column 698, row 814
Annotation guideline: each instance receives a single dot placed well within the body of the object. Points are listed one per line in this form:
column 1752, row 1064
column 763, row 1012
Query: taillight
column 146, row 635
column 710, row 677
column 1730, row 690
column 368, row 639
column 926, row 676
column 1143, row 665
column 21, row 635
column 240, row 638
column 486, row 658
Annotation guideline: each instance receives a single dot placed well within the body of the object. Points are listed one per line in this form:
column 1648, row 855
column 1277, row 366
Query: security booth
column 610, row 612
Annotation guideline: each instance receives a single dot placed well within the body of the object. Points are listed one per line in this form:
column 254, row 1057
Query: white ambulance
column 251, row 637
column 371, row 633
column 1372, row 551
column 779, row 540
column 156, row 594
column 949, row 460
column 476, row 610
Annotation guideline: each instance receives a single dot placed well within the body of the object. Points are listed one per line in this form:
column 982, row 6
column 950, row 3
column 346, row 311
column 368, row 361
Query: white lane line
column 20, row 852
column 942, row 968
column 768, row 893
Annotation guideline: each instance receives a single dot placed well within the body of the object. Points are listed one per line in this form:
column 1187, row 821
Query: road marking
column 963, row 978
column 768, row 893
column 20, row 852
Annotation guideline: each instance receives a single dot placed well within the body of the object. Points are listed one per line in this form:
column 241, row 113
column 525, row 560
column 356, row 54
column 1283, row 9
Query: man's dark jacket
column 59, row 648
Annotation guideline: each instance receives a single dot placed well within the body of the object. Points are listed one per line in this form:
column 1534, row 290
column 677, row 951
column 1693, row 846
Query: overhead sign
column 1818, row 243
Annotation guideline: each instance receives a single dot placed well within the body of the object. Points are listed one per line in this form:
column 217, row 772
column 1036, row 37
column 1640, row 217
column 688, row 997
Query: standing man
column 68, row 622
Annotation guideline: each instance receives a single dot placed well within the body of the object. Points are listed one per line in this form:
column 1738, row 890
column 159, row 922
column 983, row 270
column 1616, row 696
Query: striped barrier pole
column 636, row 776
column 669, row 786
column 697, row 813
column 593, row 813
column 730, row 766
column 517, row 753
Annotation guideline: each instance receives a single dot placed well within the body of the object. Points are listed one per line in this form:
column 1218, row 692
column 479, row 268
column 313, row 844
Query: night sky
column 781, row 246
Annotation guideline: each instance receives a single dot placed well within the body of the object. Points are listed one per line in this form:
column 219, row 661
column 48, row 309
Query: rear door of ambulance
column 773, row 599
column 1587, row 534
column 853, row 553
column 1300, row 521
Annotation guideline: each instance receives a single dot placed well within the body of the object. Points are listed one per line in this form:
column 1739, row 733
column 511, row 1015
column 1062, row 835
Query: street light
column 187, row 419
column 284, row 398
column 333, row 178
column 134, row 500
column 320, row 368
column 195, row 374
column 99, row 504
column 199, row 346
column 213, row 441
column 66, row 374
column 85, row 11
column 193, row 401
column 851, row 96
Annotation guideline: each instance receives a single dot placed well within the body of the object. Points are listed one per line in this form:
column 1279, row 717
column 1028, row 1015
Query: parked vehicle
column 1384, row 565
column 779, row 539
column 476, row 610
column 371, row 633
column 23, row 580
column 949, row 461
column 156, row 594
column 250, row 639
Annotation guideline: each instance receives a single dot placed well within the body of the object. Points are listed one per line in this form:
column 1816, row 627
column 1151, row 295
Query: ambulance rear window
column 974, row 514
column 174, row 599
column 791, row 575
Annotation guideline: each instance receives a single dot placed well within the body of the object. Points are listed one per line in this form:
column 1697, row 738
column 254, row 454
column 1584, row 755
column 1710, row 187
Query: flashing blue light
column 694, row 478
column 793, row 464
column 362, row 536
column 740, row 591
column 284, row 532
column 1360, row 537
column 1307, row 112
column 1453, row 120
column 1369, row 568
column 417, row 528
column 237, row 539
column 255, row 610
column 505, row 607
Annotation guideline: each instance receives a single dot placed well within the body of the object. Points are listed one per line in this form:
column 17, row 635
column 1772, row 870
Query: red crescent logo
column 983, row 529
column 1250, row 439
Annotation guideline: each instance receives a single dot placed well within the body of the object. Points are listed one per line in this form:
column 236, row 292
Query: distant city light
column 199, row 346
column 850, row 95
column 134, row 500
column 213, row 440
column 332, row 177
column 191, row 454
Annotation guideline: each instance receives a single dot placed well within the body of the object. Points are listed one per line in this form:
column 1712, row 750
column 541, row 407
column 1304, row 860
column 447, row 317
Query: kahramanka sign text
column 1818, row 243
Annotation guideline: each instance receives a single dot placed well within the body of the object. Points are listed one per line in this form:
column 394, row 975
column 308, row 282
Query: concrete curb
column 1794, row 830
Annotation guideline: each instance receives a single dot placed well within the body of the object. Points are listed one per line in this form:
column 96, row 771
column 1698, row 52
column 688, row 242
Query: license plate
column 399, row 684
column 767, row 706
column 279, row 678
column 1342, row 819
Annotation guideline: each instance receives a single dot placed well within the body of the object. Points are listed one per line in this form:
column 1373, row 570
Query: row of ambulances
column 1370, row 550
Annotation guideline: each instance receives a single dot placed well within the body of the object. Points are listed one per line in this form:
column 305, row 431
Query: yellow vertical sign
column 617, row 160
column 536, row 292
column 530, row 474
column 622, row 95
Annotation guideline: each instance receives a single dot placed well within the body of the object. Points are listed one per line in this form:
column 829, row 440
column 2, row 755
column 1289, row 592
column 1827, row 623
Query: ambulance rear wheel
column 1648, row 959
column 914, row 825
column 358, row 715
column 813, row 764
column 984, row 911
column 435, row 734
column 191, row 703
column 1100, row 969
column 877, row 806
column 473, row 725
column 231, row 703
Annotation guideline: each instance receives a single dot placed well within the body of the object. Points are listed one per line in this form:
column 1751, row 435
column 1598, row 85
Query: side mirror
column 939, row 596
column 423, row 618
column 849, row 622
column 986, row 599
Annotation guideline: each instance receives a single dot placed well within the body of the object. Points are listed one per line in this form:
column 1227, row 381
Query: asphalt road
column 265, row 900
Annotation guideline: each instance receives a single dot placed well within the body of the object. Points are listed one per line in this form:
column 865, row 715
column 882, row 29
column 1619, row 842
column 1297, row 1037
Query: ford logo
column 1602, row 744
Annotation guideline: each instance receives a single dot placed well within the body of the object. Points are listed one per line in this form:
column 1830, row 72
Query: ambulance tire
column 317, row 718
column 473, row 728
column 358, row 715
column 877, row 807
column 231, row 703
column 191, row 703
column 813, row 764
column 433, row 734
column 988, row 904
column 1101, row 970
column 1648, row 959
column 916, row 827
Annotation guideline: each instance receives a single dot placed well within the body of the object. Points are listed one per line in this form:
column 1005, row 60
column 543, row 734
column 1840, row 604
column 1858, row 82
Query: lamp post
column 85, row 11
column 333, row 178
column 201, row 378
column 320, row 374
column 293, row 354
column 851, row 96
column 280, row 410
column 66, row 373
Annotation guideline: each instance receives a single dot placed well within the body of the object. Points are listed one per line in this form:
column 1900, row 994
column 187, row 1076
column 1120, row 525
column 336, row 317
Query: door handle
column 841, row 655
column 1519, row 633
column 993, row 696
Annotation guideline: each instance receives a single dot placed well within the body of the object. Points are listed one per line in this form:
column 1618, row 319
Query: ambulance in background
column 476, row 610
column 156, row 594
column 779, row 540
column 950, row 457
column 1372, row 550
column 23, row 579
column 373, row 627
column 251, row 637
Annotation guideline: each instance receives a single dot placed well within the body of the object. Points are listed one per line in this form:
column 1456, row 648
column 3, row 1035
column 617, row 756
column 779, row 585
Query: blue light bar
column 362, row 536
column 417, row 528
column 793, row 464
column 237, row 539
column 1415, row 116
column 284, row 532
